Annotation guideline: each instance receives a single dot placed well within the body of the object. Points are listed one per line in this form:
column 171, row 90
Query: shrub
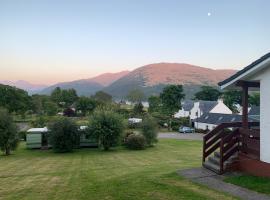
column 107, row 126
column 136, row 142
column 149, row 130
column 9, row 137
column 63, row 135
column 126, row 134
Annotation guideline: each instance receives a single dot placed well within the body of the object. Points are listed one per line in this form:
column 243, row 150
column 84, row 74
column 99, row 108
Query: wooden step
column 211, row 166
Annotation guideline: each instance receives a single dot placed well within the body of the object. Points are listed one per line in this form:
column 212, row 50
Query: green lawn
column 94, row 174
column 258, row 184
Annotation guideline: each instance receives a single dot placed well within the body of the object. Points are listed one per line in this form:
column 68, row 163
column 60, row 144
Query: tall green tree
column 231, row 98
column 67, row 97
column 208, row 93
column 138, row 109
column 9, row 137
column 135, row 96
column 50, row 108
column 86, row 105
column 154, row 104
column 171, row 98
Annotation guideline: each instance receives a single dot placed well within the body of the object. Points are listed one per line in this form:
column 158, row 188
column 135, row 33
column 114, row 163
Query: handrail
column 217, row 138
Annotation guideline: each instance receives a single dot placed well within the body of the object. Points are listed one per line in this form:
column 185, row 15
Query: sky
column 53, row 41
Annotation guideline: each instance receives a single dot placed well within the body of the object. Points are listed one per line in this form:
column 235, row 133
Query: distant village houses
column 206, row 115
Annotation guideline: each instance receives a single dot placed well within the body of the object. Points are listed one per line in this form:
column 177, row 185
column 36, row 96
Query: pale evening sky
column 53, row 41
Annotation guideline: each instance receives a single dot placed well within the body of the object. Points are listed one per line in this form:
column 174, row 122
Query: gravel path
column 181, row 136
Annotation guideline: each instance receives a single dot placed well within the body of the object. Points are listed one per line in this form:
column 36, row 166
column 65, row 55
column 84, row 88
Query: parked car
column 185, row 129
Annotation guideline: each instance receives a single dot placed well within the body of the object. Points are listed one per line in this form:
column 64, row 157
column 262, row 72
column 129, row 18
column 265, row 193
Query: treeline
column 18, row 101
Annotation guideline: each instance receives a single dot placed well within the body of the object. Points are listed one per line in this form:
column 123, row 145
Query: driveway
column 181, row 136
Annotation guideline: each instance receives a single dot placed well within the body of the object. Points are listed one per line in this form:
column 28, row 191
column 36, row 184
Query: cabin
column 246, row 148
column 37, row 138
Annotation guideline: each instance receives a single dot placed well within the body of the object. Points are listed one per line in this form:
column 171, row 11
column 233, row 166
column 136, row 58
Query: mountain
column 108, row 78
column 152, row 78
column 89, row 86
column 29, row 87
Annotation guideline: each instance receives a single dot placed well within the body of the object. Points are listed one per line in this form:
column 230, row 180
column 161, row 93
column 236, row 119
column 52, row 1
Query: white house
column 198, row 108
column 255, row 76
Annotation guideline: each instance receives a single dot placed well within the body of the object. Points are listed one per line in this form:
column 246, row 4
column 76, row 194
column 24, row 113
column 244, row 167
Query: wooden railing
column 230, row 142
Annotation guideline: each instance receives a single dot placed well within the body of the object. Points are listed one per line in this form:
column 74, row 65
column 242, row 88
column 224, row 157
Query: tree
column 50, row 108
column 86, row 105
column 14, row 99
column 231, row 98
column 67, row 97
column 39, row 104
column 149, row 130
column 135, row 96
column 9, row 137
column 103, row 96
column 63, row 135
column 208, row 93
column 107, row 127
column 171, row 98
column 154, row 104
column 254, row 99
column 138, row 109
column 56, row 95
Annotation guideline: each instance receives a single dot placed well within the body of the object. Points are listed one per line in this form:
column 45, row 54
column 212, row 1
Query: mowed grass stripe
column 93, row 174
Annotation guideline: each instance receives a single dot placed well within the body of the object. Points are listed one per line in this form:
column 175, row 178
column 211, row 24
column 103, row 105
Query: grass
column 119, row 174
column 255, row 183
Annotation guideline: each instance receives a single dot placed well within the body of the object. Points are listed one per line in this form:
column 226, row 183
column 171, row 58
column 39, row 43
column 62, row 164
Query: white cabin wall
column 264, row 77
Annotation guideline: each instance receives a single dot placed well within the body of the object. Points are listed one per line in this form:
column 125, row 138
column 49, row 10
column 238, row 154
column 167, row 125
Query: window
column 206, row 117
column 233, row 119
column 220, row 118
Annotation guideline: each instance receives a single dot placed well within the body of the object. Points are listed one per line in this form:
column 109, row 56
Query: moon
column 209, row 14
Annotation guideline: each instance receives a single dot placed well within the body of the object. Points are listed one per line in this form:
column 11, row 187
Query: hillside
column 108, row 78
column 29, row 87
column 152, row 78
column 89, row 86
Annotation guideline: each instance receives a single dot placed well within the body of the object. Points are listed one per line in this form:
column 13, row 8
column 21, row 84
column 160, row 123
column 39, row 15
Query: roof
column 187, row 105
column 207, row 106
column 219, row 118
column 42, row 130
column 254, row 110
column 245, row 70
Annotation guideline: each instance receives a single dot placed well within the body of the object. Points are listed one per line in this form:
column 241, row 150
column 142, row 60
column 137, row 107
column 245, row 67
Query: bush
column 107, row 126
column 136, row 142
column 9, row 137
column 126, row 134
column 63, row 135
column 149, row 130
